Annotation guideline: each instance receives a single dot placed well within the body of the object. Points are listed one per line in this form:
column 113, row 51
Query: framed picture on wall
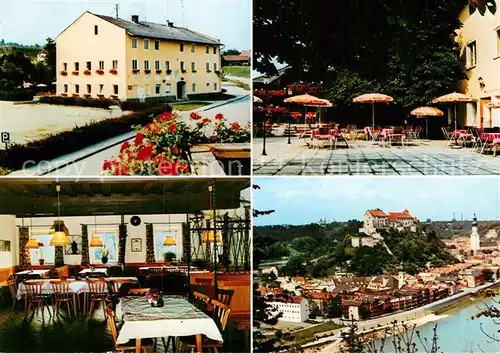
column 75, row 248
column 136, row 244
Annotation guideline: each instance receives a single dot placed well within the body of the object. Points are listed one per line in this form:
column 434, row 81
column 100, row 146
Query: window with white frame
column 471, row 54
column 167, row 88
column 161, row 249
column 135, row 65
column 182, row 66
column 208, row 66
column 207, row 49
column 215, row 67
column 45, row 252
column 101, row 88
column 115, row 64
column 110, row 242
column 65, row 66
column 158, row 89
column 193, row 87
column 157, row 65
column 167, row 65
column 215, row 86
column 77, row 66
column 77, row 88
column 89, row 65
column 157, row 45
column 181, row 47
column 115, row 89
column 193, row 48
column 135, row 42
column 146, row 65
column 146, row 43
column 215, row 50
column 193, row 66
column 65, row 88
column 89, row 89
column 101, row 65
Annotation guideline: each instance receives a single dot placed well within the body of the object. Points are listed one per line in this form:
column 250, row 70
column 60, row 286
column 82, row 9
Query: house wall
column 9, row 233
column 292, row 312
column 78, row 43
column 482, row 30
column 170, row 51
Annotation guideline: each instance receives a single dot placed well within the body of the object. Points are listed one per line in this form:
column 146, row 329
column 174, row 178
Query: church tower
column 474, row 237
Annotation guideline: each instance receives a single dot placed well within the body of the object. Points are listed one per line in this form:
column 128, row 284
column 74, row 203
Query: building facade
column 105, row 57
column 479, row 40
column 377, row 219
column 295, row 310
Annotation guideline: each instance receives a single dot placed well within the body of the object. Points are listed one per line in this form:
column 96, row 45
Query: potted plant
column 169, row 257
column 113, row 71
column 87, row 72
column 104, row 255
column 100, row 72
column 75, row 73
column 169, row 72
column 64, row 73
column 158, row 71
column 41, row 260
column 147, row 71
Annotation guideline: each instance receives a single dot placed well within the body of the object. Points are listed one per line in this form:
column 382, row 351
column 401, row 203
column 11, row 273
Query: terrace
column 77, row 255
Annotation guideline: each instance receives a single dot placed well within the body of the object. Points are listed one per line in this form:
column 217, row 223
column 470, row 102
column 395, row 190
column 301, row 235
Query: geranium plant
column 39, row 251
column 163, row 146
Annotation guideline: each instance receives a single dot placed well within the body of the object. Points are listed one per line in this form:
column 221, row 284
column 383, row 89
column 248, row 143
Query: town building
column 376, row 219
column 105, row 57
column 244, row 59
column 295, row 309
column 479, row 40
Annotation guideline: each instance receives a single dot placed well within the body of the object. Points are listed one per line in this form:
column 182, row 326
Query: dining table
column 489, row 136
column 41, row 273
column 176, row 318
column 94, row 270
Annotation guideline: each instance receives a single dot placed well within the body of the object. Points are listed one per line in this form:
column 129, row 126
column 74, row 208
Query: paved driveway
column 426, row 158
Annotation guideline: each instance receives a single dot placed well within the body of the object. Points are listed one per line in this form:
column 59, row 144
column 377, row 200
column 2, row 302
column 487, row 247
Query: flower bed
column 163, row 146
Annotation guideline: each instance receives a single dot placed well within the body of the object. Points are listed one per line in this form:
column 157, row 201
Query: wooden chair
column 36, row 297
column 200, row 301
column 138, row 291
column 117, row 283
column 221, row 316
column 13, row 292
column 62, row 295
column 97, row 294
column 146, row 343
column 225, row 296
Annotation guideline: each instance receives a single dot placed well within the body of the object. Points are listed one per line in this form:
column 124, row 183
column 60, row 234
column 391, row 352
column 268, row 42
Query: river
column 458, row 333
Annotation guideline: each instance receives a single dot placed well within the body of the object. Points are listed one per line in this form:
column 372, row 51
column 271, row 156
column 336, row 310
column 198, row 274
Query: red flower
column 40, row 243
column 195, row 116
column 206, row 121
column 122, row 170
column 219, row 116
column 235, row 125
column 172, row 128
column 138, row 139
column 145, row 153
column 175, row 150
column 125, row 145
column 107, row 165
column 165, row 117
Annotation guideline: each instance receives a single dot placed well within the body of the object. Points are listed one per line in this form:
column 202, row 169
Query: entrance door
column 141, row 94
column 181, row 90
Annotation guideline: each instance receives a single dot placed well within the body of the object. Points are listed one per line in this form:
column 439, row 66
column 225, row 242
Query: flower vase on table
column 155, row 298
column 41, row 260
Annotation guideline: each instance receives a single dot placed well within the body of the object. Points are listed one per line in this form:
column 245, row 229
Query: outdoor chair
column 447, row 136
column 36, row 297
column 62, row 295
column 397, row 136
column 97, row 294
column 370, row 135
column 320, row 136
column 221, row 316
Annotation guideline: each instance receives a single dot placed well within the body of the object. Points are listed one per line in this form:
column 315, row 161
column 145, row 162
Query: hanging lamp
column 211, row 236
column 32, row 243
column 95, row 241
column 60, row 231
column 169, row 239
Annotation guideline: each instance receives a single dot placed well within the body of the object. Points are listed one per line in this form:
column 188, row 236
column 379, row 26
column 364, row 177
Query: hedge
column 105, row 103
column 19, row 95
column 76, row 139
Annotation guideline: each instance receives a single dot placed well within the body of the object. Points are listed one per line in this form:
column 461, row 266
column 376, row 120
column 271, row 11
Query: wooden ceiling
column 37, row 197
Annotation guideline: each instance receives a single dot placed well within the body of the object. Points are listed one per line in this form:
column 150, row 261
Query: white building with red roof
column 376, row 219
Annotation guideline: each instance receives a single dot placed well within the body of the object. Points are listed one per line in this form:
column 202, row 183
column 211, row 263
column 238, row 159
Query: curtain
column 24, row 256
column 150, row 244
column 85, row 246
column 186, row 243
column 122, row 243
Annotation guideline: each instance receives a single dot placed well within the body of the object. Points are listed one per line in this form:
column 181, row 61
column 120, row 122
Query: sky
column 32, row 21
column 303, row 200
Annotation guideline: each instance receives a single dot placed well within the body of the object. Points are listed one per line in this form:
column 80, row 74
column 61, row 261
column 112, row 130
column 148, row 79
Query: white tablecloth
column 180, row 318
column 33, row 272
column 95, row 270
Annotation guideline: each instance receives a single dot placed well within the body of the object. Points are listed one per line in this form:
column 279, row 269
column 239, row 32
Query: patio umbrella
column 454, row 98
column 257, row 99
column 426, row 112
column 41, row 85
column 373, row 98
column 309, row 101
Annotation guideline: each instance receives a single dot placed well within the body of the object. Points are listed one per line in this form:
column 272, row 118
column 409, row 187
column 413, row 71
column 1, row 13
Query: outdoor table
column 177, row 318
column 41, row 273
column 94, row 270
column 489, row 136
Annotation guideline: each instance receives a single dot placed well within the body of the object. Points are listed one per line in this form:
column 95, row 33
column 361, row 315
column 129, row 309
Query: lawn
column 239, row 71
column 307, row 335
column 188, row 106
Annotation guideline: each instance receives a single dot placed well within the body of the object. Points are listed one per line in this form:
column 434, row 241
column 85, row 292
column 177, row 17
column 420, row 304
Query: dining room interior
column 134, row 264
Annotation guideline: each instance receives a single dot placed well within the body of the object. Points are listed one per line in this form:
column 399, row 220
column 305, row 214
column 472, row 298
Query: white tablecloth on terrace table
column 74, row 286
column 176, row 318
column 95, row 270
column 33, row 272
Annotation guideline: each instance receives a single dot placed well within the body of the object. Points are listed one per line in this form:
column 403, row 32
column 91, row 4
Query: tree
column 331, row 307
column 15, row 68
column 232, row 52
column 50, row 60
column 294, row 267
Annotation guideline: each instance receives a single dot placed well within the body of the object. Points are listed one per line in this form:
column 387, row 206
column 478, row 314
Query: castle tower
column 474, row 237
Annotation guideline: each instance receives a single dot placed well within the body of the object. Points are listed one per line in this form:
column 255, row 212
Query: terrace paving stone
column 365, row 158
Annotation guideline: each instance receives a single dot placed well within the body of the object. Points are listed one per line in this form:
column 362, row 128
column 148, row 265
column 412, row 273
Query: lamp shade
column 209, row 237
column 96, row 242
column 32, row 244
column 61, row 233
column 169, row 241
